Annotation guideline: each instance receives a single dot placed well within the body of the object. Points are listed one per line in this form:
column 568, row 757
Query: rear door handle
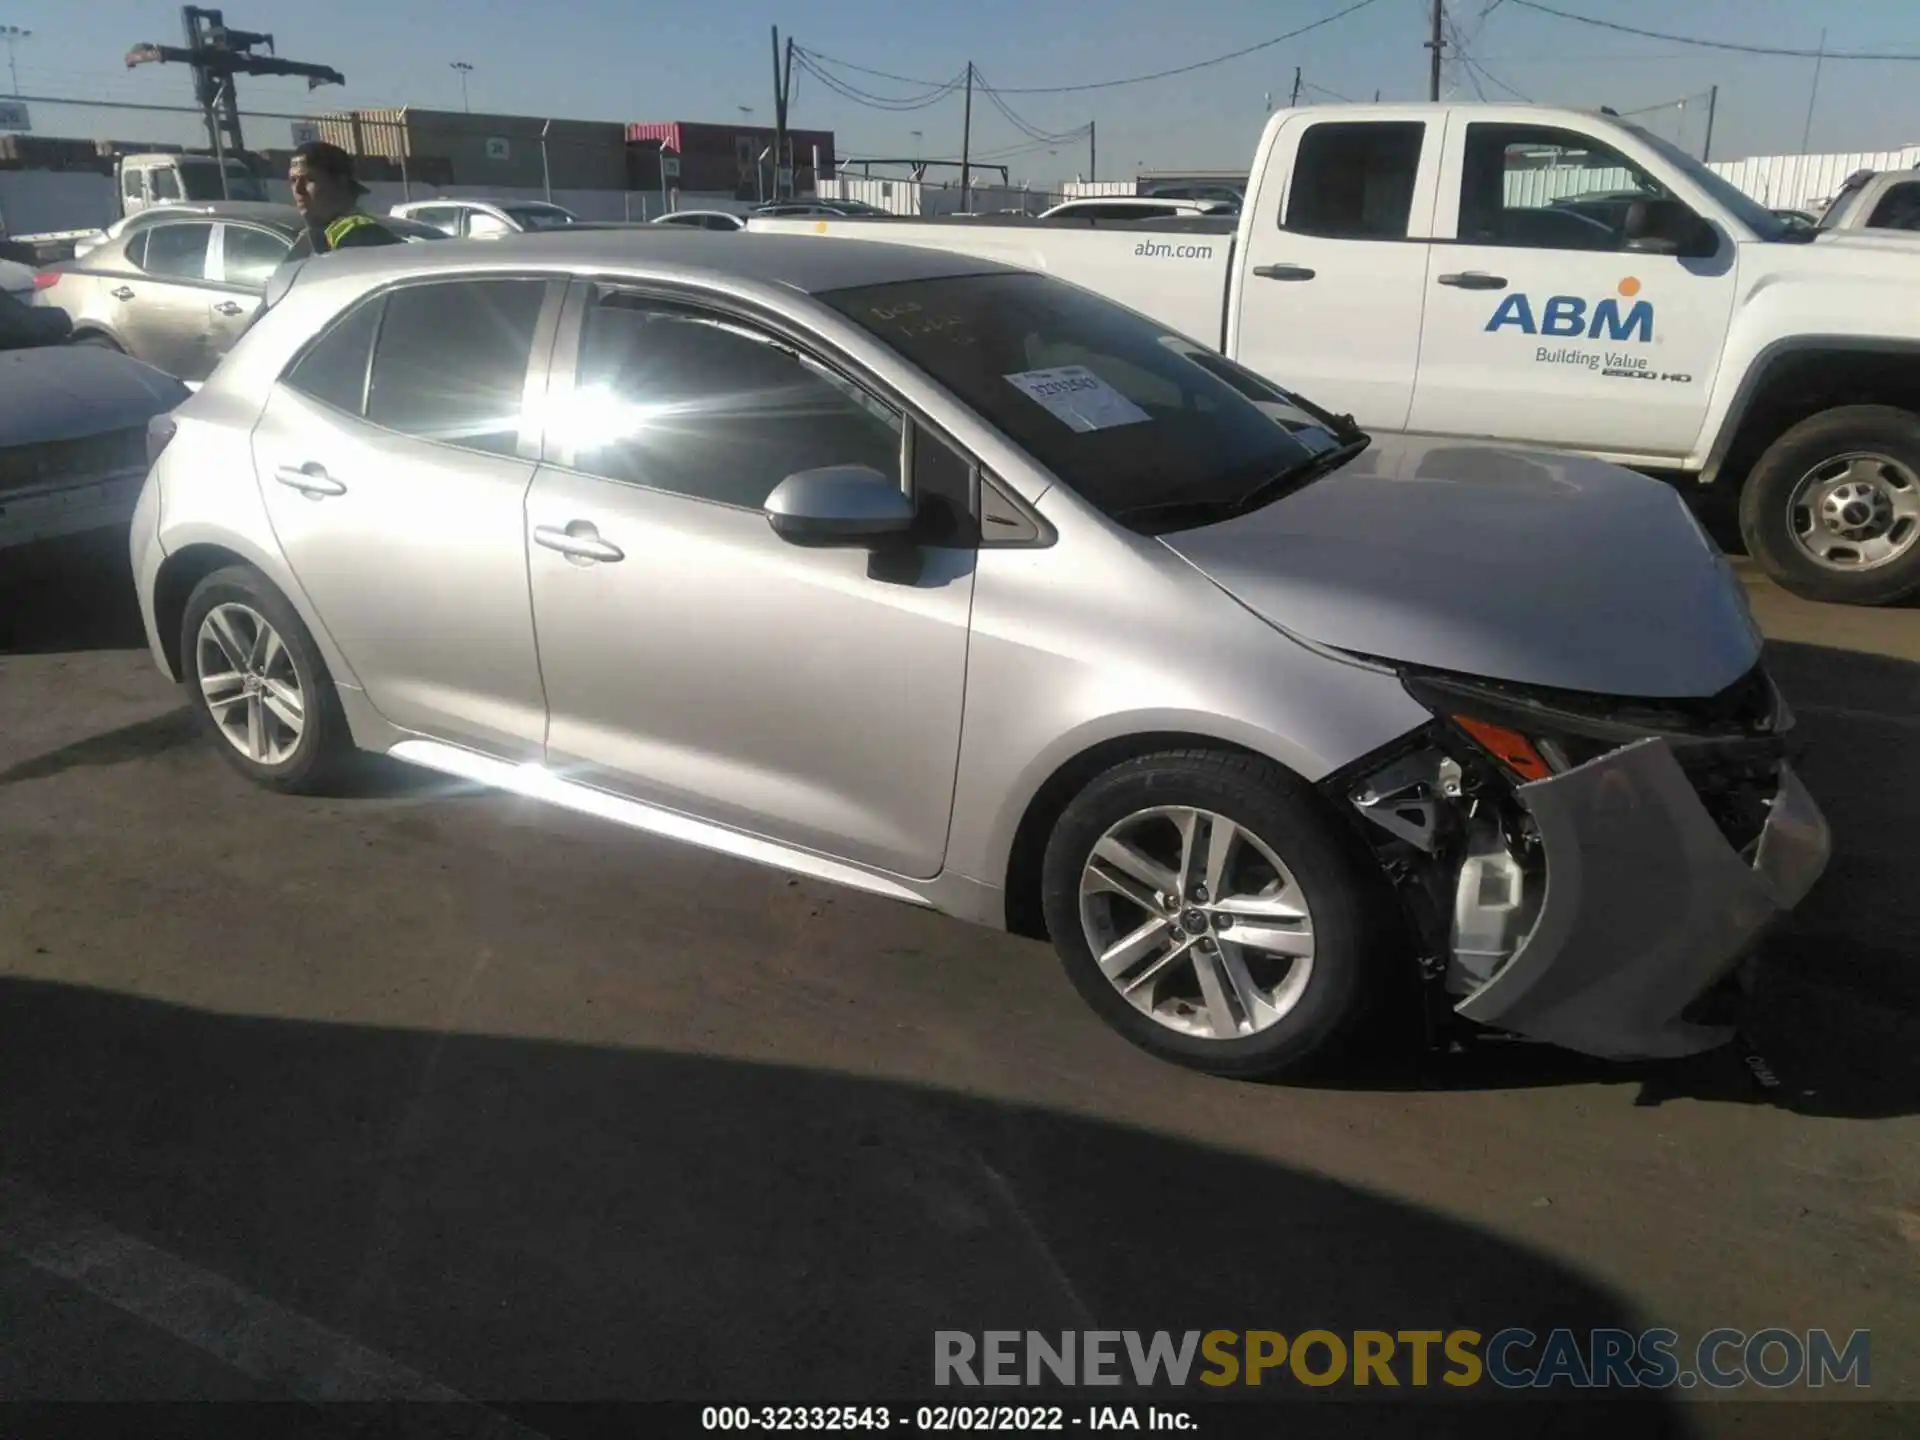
column 1475, row 280
column 122, row 292
column 310, row 480
column 1283, row 272
column 229, row 307
column 578, row 541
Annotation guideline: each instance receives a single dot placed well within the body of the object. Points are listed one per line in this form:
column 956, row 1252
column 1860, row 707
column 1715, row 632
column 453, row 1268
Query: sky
column 614, row 60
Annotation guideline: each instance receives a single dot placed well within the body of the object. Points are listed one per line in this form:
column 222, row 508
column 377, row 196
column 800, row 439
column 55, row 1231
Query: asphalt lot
column 434, row 1093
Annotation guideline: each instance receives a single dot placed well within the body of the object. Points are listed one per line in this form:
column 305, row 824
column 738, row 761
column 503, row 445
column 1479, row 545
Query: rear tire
column 1289, row 950
column 98, row 341
column 1832, row 510
column 259, row 686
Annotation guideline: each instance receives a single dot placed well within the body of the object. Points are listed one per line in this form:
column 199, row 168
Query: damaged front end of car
column 1590, row 871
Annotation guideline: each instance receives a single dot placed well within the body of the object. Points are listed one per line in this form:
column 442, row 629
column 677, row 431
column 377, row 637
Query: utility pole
column 1295, row 98
column 1706, row 149
column 14, row 35
column 1093, row 155
column 1437, row 44
column 1806, row 137
column 465, row 70
column 966, row 145
column 782, row 88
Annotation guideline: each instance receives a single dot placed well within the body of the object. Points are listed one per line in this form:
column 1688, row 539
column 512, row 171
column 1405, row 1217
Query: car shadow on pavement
column 524, row 1220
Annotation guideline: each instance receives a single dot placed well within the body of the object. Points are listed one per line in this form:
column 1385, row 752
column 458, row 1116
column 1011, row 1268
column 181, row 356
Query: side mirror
column 839, row 505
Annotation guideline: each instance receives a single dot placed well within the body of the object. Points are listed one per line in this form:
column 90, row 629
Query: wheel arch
column 1022, row 880
column 1793, row 379
column 173, row 585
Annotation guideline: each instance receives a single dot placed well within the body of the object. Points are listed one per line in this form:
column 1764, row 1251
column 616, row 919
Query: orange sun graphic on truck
column 1629, row 287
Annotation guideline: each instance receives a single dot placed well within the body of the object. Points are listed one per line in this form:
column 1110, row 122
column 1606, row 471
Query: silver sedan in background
column 963, row 586
column 177, row 285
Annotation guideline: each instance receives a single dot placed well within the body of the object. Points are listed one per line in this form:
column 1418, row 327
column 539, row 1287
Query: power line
column 1139, row 79
column 980, row 83
column 1733, row 45
column 936, row 92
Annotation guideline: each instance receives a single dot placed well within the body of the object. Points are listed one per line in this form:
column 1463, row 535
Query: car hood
column 1535, row 568
column 64, row 392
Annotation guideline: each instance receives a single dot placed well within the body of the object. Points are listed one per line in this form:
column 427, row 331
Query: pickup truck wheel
column 1208, row 908
column 1832, row 511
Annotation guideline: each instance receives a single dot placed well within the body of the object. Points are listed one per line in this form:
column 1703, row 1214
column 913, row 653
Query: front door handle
column 578, row 541
column 122, row 292
column 1283, row 272
column 230, row 307
column 310, row 480
column 1475, row 280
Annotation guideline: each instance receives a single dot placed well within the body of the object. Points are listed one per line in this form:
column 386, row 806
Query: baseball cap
column 329, row 160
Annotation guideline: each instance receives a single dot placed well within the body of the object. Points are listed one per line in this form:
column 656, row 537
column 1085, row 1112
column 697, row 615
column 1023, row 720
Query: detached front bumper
column 1647, row 906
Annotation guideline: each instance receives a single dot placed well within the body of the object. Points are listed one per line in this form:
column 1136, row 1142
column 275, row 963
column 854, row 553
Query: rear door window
column 178, row 251
column 451, row 361
column 1354, row 180
column 250, row 256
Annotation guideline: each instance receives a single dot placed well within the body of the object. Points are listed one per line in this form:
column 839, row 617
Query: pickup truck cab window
column 1355, row 181
column 1899, row 208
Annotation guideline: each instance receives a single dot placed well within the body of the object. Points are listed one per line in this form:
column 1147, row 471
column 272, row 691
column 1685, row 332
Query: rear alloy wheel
column 1832, row 511
column 259, row 684
column 1208, row 907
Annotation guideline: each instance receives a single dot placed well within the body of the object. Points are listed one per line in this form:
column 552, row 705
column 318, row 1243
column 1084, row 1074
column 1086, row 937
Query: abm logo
column 1569, row 316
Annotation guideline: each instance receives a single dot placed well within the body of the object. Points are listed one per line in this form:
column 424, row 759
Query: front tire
column 1832, row 510
column 259, row 685
column 1212, row 910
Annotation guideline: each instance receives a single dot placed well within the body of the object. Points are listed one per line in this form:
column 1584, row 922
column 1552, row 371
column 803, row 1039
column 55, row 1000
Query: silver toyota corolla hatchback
column 962, row 586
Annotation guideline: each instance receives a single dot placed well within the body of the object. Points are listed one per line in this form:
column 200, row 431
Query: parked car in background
column 73, row 438
column 962, row 586
column 17, row 280
column 792, row 209
column 1883, row 200
column 179, row 283
column 1136, row 207
column 485, row 219
column 703, row 220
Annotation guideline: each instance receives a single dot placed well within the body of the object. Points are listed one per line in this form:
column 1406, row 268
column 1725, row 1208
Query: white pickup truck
column 1547, row 278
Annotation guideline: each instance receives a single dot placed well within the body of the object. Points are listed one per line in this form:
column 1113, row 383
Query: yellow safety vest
column 344, row 226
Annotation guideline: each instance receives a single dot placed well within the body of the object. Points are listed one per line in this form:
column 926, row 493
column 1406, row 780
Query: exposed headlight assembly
column 1535, row 733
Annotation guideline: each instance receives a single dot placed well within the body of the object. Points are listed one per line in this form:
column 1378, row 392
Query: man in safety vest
column 327, row 196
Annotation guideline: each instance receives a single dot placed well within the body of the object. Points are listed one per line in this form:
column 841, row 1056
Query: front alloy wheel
column 1215, row 910
column 1196, row 922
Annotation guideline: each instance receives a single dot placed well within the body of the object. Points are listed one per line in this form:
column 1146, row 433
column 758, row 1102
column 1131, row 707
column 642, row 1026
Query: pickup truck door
column 1541, row 326
column 1333, row 263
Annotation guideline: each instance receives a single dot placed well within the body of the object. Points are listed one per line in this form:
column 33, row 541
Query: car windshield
column 1143, row 424
column 538, row 217
column 1744, row 208
column 202, row 182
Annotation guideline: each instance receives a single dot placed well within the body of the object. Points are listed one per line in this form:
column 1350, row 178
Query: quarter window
column 450, row 364
column 1899, row 208
column 1355, row 180
column 683, row 400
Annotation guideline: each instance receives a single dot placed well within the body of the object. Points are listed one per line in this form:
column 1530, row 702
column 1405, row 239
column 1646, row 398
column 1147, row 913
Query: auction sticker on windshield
column 1078, row 397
